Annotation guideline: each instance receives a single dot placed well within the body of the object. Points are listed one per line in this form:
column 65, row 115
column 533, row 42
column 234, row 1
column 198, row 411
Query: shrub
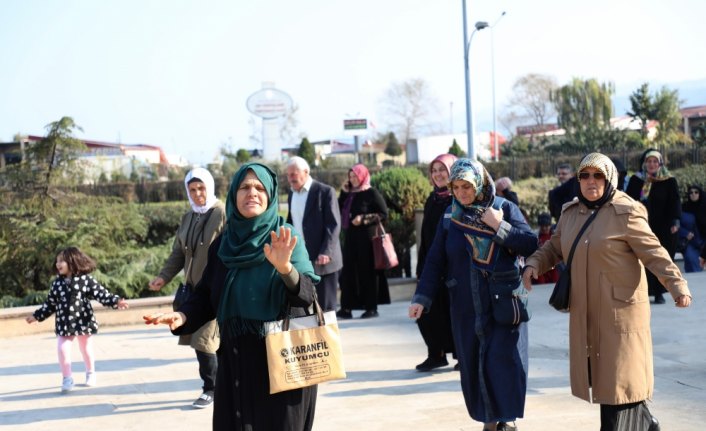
column 691, row 175
column 163, row 220
column 33, row 231
column 533, row 195
column 404, row 190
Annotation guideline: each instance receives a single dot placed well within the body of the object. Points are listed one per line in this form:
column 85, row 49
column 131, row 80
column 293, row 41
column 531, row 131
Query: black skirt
column 627, row 417
column 242, row 399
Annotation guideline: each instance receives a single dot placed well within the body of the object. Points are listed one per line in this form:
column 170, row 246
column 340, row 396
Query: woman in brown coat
column 198, row 229
column 609, row 327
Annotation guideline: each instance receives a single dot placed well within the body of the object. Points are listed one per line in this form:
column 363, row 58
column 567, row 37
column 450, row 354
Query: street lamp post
column 496, row 150
column 480, row 25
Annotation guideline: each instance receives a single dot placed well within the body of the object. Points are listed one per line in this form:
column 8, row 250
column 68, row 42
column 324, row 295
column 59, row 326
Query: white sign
column 269, row 103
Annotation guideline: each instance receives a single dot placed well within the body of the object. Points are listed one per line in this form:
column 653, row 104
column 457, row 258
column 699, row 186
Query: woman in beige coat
column 198, row 228
column 609, row 327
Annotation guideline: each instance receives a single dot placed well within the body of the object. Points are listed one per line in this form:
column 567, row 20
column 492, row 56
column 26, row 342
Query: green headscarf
column 254, row 292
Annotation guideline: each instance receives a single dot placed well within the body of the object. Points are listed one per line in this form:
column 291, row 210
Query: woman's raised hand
column 174, row 319
column 279, row 251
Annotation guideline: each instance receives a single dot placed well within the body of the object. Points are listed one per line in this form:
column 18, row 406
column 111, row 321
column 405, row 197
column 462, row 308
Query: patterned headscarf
column 205, row 177
column 442, row 193
column 605, row 165
column 467, row 218
column 476, row 174
column 661, row 174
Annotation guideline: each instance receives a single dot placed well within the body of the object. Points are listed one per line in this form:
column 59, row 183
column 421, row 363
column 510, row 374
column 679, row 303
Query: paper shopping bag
column 304, row 351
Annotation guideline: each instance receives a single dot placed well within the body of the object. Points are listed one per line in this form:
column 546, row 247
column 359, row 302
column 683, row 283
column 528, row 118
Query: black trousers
column 208, row 368
column 326, row 291
column 435, row 326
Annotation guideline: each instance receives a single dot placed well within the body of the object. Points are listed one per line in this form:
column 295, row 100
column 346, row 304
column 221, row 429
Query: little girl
column 70, row 297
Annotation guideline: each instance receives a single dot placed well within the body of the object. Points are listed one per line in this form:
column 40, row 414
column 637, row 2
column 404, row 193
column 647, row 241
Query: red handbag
column 383, row 250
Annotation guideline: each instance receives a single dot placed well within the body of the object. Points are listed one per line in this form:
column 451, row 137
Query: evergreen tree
column 52, row 160
column 306, row 152
column 584, row 109
column 642, row 107
column 456, row 150
column 242, row 156
column 662, row 107
column 393, row 147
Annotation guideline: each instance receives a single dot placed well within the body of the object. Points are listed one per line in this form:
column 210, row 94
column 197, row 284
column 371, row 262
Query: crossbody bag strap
column 576, row 241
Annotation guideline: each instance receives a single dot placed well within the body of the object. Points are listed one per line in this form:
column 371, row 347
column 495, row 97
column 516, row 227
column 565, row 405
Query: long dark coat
column 493, row 357
column 242, row 401
column 663, row 212
column 362, row 286
column 435, row 325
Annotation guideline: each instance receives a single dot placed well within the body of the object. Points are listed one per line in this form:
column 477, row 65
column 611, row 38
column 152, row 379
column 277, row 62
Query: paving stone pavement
column 147, row 382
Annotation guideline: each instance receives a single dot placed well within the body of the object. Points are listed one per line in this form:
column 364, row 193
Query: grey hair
column 566, row 166
column 299, row 162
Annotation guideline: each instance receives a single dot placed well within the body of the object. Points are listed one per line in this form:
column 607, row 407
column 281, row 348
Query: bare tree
column 409, row 107
column 289, row 128
column 532, row 97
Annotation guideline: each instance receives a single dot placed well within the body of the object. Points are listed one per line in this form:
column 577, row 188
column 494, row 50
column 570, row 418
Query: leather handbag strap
column 576, row 241
column 316, row 311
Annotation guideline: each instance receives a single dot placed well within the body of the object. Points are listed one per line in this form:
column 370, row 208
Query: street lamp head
column 480, row 25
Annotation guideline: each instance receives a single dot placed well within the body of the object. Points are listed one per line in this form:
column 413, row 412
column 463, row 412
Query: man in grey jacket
column 313, row 210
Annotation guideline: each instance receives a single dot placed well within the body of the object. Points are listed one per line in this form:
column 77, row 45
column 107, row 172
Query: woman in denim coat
column 477, row 244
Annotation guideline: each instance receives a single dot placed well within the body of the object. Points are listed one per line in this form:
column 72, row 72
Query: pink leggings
column 64, row 344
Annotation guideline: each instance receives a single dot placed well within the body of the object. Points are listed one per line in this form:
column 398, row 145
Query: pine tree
column 393, row 147
column 456, row 150
column 306, row 151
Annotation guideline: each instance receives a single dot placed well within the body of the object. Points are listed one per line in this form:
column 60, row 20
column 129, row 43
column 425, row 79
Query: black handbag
column 508, row 298
column 182, row 294
column 561, row 294
column 183, row 291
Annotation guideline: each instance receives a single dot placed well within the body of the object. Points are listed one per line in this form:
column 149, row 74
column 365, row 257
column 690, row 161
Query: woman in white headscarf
column 610, row 343
column 198, row 228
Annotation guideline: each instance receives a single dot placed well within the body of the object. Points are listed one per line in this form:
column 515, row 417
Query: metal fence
column 545, row 164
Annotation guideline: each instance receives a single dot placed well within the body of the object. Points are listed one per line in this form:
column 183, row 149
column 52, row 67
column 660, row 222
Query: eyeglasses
column 596, row 175
column 694, row 192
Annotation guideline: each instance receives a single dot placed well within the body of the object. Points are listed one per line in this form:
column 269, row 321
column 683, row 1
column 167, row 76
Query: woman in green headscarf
column 255, row 269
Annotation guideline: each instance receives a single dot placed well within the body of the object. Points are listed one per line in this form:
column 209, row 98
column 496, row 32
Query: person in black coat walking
column 363, row 209
column 657, row 189
column 313, row 210
column 435, row 326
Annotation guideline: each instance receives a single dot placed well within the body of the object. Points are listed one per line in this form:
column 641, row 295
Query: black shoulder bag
column 562, row 289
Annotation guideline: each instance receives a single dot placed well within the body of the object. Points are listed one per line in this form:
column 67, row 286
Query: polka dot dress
column 70, row 299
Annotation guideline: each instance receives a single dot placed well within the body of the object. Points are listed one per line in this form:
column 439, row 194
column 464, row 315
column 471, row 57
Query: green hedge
column 404, row 190
column 129, row 242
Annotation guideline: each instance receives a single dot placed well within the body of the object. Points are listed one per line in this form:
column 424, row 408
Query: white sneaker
column 67, row 385
column 91, row 379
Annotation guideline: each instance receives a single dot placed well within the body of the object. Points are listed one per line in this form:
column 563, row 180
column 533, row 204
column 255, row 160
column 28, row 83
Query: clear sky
column 177, row 73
